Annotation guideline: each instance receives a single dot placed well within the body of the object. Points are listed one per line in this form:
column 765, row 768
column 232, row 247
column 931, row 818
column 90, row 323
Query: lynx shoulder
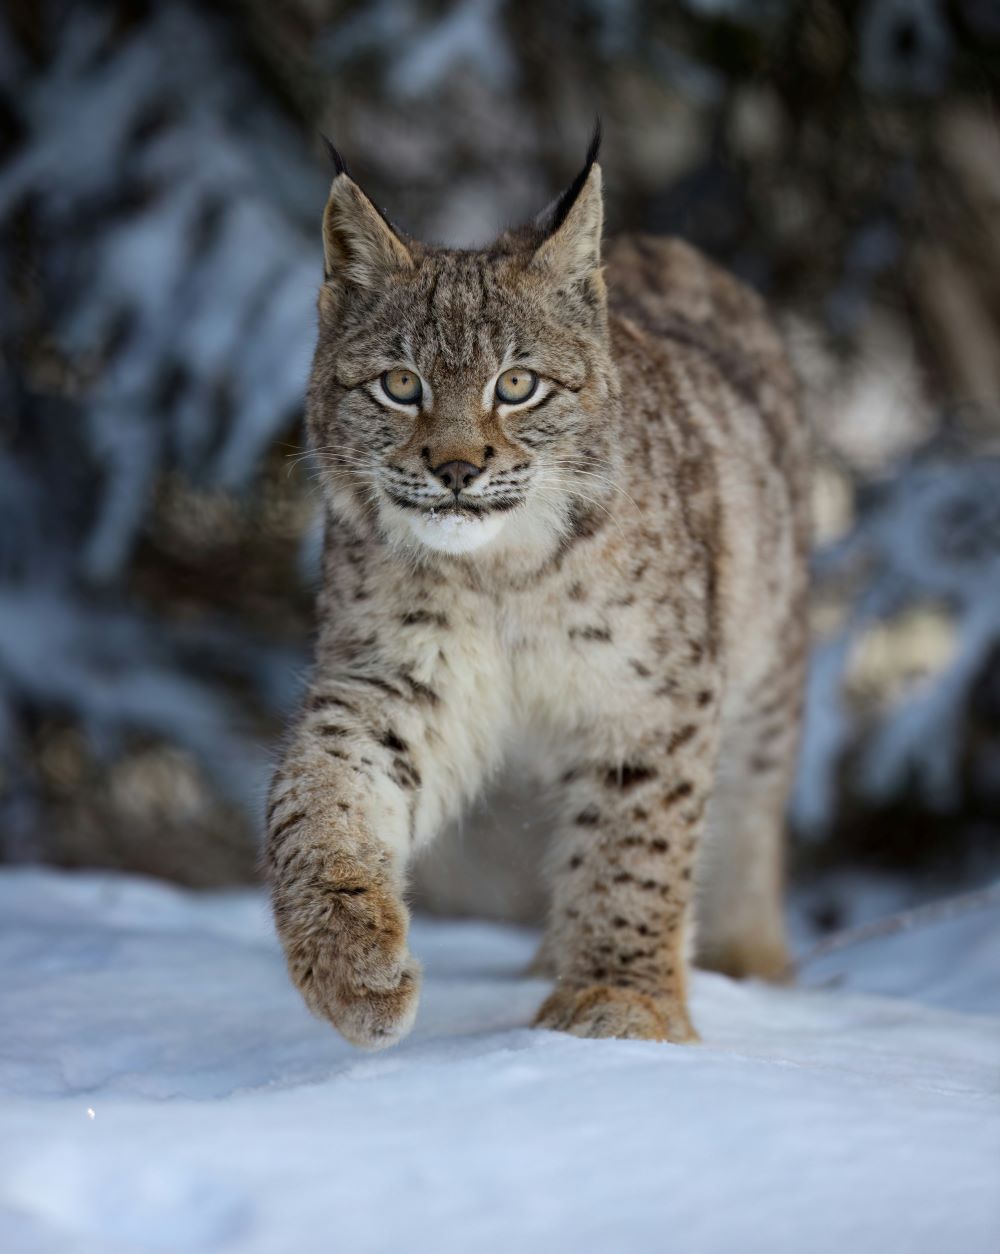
column 565, row 488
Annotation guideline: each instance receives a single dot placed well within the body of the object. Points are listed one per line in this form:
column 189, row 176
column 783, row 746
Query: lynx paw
column 373, row 1018
column 345, row 941
column 601, row 1011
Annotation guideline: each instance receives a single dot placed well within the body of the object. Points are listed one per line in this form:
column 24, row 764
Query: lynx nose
column 457, row 475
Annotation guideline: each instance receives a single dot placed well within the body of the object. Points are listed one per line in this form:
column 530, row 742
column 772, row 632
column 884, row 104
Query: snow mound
column 162, row 1088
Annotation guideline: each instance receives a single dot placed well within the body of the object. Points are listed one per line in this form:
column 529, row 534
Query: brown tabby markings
column 618, row 591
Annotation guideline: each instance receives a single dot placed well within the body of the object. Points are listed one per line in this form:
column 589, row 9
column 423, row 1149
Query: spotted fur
column 615, row 603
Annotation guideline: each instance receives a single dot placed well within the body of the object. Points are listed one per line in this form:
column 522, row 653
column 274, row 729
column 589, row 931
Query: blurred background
column 161, row 186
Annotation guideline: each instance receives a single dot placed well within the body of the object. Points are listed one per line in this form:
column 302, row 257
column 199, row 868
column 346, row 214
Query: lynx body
column 566, row 511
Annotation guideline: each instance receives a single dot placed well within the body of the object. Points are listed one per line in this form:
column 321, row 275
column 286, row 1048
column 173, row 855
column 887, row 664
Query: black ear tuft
column 595, row 143
column 565, row 203
column 339, row 164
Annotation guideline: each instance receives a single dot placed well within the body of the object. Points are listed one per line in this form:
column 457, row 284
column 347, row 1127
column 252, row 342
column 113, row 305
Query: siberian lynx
column 566, row 533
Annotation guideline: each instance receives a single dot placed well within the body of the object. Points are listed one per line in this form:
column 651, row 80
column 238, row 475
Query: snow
column 469, row 35
column 927, row 539
column 202, row 257
column 164, row 1089
column 115, row 669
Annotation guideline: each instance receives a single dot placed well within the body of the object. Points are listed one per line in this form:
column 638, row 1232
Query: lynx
column 565, row 539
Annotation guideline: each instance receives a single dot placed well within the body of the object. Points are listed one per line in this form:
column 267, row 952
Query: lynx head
column 464, row 398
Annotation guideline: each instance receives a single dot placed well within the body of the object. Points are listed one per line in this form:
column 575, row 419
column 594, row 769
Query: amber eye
column 515, row 385
column 403, row 386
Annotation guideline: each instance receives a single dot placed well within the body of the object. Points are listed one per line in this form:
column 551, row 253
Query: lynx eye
column 402, row 386
column 515, row 385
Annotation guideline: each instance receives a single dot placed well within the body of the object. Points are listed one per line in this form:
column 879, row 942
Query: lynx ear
column 571, row 250
column 360, row 248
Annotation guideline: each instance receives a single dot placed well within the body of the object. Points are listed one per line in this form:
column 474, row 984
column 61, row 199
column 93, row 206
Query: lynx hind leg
column 622, row 887
column 741, row 873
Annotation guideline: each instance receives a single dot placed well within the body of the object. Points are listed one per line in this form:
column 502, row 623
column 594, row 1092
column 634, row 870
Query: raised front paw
column 345, row 940
column 600, row 1010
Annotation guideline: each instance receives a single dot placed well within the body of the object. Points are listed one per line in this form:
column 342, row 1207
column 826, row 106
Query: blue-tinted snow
column 225, row 1118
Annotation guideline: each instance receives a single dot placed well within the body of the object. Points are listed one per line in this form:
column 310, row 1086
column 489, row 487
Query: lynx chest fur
column 565, row 496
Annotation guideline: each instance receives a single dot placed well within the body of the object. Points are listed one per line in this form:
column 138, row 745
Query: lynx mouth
column 462, row 508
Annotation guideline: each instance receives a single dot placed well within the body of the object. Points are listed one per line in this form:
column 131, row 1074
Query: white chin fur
column 455, row 533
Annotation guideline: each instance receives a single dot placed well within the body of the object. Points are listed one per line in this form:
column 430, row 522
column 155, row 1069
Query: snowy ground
column 161, row 1088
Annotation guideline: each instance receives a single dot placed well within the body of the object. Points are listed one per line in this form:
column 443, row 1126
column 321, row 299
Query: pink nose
column 457, row 475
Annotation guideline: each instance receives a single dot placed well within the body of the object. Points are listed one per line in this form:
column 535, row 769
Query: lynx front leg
column 340, row 824
column 339, row 911
column 623, row 889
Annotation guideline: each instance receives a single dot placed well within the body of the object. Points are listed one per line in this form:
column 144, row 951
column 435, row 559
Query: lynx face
column 461, row 395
